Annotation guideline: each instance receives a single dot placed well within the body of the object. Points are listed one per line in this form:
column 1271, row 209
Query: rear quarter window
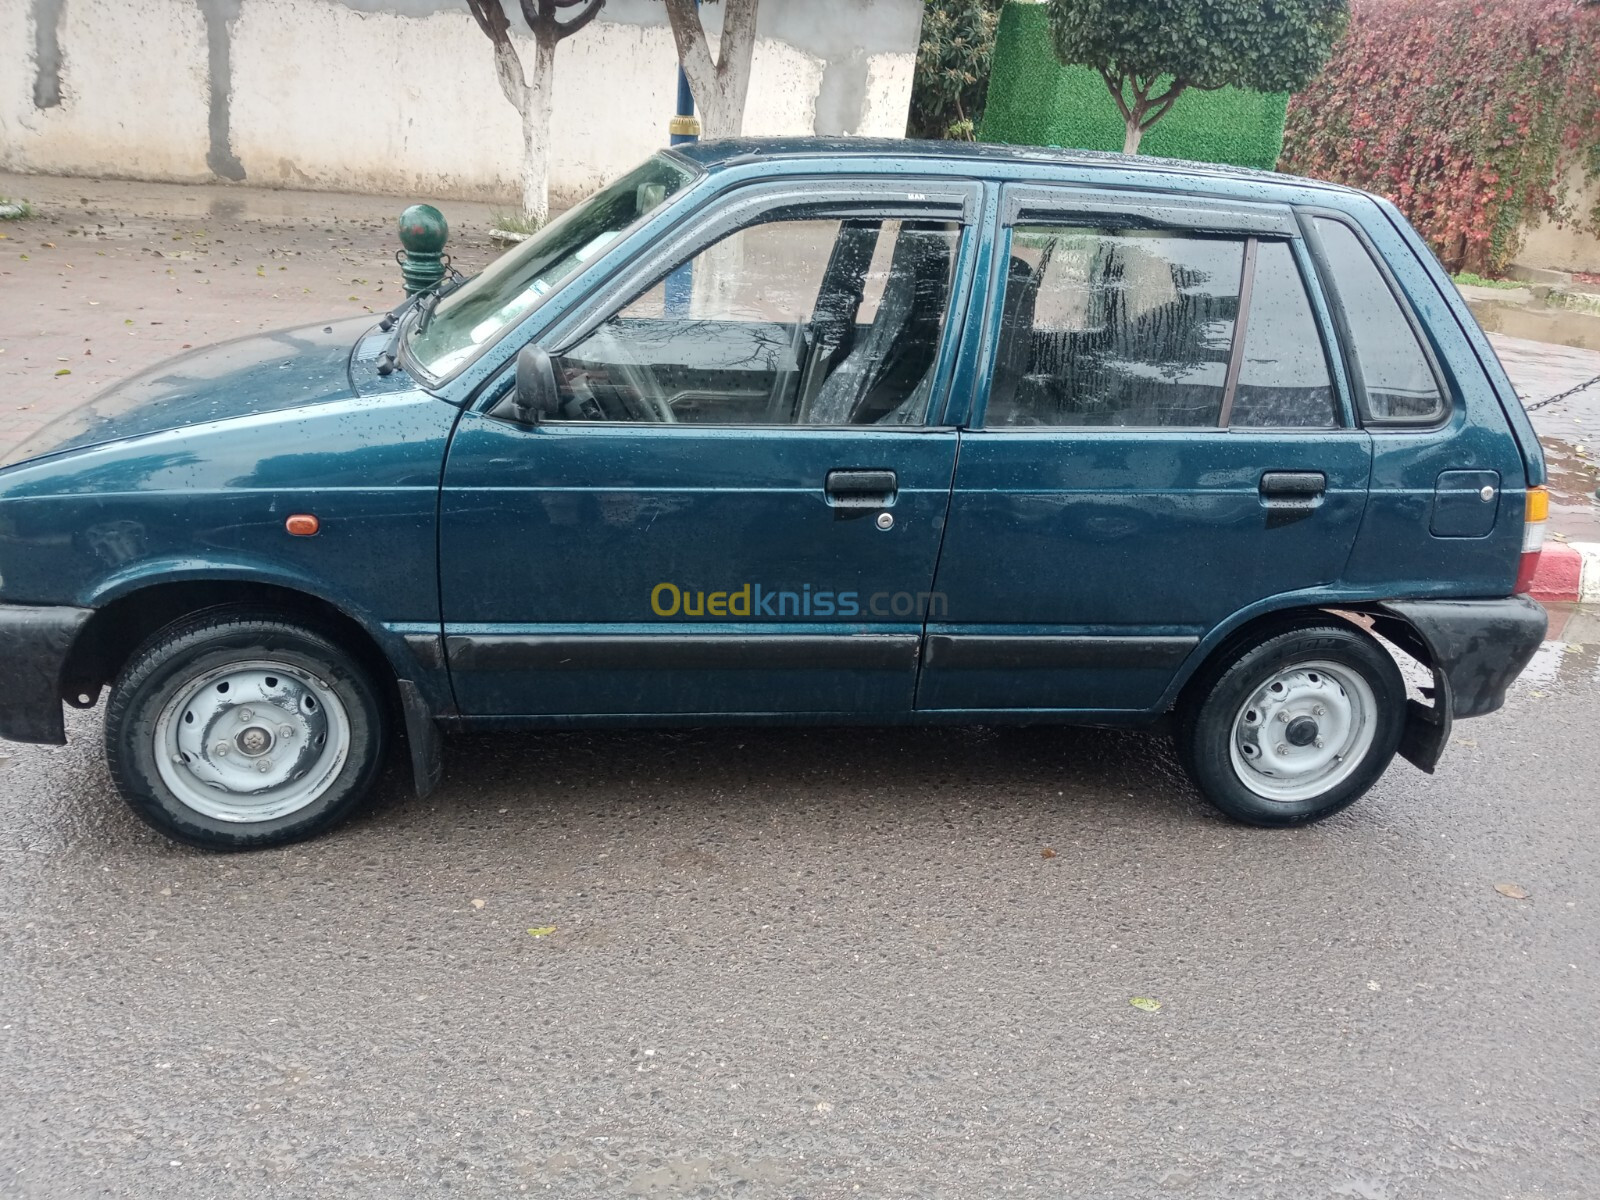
column 1396, row 383
column 1284, row 380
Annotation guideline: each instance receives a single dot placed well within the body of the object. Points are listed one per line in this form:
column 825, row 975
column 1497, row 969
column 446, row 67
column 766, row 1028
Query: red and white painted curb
column 1568, row 571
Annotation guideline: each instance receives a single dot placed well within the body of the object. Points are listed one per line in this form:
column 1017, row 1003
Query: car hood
column 268, row 372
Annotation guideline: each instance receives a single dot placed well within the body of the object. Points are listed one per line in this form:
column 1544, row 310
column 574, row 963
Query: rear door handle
column 857, row 488
column 1293, row 489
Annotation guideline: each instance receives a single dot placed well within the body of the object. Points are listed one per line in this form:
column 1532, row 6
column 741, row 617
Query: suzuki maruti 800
column 826, row 432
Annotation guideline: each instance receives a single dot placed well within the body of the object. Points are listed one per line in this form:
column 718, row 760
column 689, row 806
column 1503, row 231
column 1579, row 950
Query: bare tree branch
column 1114, row 85
column 578, row 22
column 491, row 18
column 693, row 52
column 1161, row 103
column 738, row 42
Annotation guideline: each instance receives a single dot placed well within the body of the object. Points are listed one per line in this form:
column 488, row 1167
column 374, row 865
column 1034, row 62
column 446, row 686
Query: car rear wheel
column 234, row 729
column 1294, row 727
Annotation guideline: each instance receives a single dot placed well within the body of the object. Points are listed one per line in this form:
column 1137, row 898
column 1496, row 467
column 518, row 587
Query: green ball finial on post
column 423, row 233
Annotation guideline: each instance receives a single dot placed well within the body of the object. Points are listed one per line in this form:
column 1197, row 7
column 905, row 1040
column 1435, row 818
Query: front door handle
column 857, row 488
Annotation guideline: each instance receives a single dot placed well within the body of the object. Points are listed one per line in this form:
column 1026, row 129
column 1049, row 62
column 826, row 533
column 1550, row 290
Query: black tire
column 186, row 651
column 1214, row 700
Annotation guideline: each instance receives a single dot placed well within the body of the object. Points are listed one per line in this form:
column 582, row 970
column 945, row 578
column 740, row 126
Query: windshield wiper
column 393, row 322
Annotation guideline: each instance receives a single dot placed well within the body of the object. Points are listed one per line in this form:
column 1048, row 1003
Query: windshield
column 512, row 286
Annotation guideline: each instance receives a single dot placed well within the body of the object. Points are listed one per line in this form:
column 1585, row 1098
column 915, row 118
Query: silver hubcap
column 1303, row 731
column 252, row 741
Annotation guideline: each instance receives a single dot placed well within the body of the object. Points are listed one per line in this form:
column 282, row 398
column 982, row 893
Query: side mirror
column 535, row 396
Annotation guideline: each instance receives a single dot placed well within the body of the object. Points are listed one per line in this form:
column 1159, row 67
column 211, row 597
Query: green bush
column 1035, row 101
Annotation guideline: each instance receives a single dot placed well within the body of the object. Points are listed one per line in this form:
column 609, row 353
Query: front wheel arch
column 118, row 628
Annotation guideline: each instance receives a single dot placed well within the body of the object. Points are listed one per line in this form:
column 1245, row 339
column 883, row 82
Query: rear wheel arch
column 1249, row 632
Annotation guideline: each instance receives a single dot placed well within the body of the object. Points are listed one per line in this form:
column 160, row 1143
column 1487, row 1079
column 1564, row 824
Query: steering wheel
column 637, row 376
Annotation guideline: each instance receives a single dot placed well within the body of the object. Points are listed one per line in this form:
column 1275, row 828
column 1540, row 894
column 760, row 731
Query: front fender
column 413, row 649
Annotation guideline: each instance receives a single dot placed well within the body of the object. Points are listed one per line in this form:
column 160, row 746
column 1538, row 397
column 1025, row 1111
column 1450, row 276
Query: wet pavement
column 821, row 963
column 802, row 963
column 1568, row 429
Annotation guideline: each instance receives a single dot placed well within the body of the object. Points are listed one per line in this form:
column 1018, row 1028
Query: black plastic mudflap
column 1475, row 649
column 422, row 736
column 34, row 644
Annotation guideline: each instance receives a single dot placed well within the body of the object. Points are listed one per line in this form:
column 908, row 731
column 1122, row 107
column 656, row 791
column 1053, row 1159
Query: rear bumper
column 34, row 644
column 1476, row 648
column 1479, row 645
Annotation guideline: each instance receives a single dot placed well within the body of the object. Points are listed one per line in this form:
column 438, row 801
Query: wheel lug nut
column 1319, row 743
column 1319, row 710
column 222, row 747
column 1283, row 715
column 1282, row 749
column 264, row 765
column 286, row 731
column 245, row 714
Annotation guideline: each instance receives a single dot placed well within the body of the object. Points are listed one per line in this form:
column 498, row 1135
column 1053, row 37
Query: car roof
column 973, row 158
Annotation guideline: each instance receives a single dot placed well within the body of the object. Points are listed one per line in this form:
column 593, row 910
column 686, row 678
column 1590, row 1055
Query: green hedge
column 1035, row 101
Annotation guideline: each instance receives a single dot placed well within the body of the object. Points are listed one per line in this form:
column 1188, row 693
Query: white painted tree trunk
column 1130, row 139
column 535, row 111
column 720, row 88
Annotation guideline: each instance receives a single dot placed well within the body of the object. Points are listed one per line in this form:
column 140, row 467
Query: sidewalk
column 113, row 277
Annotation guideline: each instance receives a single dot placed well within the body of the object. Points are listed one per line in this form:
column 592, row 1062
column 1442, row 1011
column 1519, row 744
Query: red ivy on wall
column 1463, row 112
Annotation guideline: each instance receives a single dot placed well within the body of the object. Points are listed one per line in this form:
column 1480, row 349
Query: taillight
column 1537, row 513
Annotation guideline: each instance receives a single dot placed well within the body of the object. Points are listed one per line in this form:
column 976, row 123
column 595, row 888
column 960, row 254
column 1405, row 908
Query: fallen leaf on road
column 1047, row 852
column 477, row 904
column 64, row 371
column 1145, row 1004
column 542, row 931
column 1515, row 890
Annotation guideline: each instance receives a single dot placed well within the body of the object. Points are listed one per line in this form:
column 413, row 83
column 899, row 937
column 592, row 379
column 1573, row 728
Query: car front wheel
column 234, row 730
column 1294, row 727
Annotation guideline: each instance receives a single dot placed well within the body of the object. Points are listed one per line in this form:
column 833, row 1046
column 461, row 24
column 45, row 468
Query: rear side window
column 1115, row 327
column 1398, row 382
column 1283, row 378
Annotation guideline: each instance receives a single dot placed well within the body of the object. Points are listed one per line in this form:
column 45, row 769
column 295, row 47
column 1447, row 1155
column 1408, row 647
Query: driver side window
column 803, row 322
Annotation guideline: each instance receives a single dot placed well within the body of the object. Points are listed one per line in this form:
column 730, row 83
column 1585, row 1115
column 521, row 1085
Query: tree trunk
column 719, row 88
column 1130, row 139
column 535, row 110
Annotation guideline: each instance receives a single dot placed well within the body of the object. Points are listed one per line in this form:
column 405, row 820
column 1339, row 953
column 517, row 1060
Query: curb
column 1568, row 571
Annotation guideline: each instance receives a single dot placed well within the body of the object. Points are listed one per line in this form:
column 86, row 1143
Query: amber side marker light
column 1537, row 513
column 302, row 525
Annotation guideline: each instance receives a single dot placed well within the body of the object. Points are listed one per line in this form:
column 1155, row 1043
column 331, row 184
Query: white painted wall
column 134, row 102
column 399, row 96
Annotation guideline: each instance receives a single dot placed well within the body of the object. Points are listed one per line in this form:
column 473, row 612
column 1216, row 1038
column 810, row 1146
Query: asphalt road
column 820, row 964
column 827, row 963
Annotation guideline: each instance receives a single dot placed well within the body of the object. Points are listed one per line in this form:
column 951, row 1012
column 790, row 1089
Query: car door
column 1162, row 440
column 738, row 505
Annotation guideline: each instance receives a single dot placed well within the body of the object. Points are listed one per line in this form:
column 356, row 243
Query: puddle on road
column 1574, row 470
column 1571, row 655
column 1569, row 429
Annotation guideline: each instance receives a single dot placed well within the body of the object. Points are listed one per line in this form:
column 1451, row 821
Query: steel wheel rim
column 252, row 741
column 1305, row 730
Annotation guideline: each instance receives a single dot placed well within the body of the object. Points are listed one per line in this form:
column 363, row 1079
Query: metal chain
column 1571, row 391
